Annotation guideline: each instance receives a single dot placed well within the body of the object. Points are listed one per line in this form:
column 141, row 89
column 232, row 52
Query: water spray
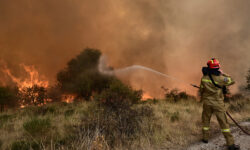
column 102, row 67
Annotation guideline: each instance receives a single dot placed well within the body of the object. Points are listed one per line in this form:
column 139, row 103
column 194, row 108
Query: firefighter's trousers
column 222, row 120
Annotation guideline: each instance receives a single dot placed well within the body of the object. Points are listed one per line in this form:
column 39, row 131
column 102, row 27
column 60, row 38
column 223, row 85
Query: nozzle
column 196, row 86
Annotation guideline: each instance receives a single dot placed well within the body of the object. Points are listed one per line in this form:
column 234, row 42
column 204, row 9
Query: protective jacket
column 212, row 95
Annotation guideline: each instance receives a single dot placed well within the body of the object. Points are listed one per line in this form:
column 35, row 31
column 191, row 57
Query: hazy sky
column 174, row 37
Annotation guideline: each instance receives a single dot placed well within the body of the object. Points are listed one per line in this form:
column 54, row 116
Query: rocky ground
column 218, row 143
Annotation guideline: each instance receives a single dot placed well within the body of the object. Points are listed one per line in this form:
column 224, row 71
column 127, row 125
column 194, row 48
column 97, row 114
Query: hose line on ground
column 236, row 123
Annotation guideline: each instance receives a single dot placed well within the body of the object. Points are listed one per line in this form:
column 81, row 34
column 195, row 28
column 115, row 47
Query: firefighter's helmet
column 213, row 64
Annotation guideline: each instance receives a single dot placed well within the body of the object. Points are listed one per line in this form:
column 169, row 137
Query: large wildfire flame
column 28, row 81
column 32, row 79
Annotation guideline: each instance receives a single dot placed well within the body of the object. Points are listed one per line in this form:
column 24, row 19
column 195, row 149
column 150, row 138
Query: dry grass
column 170, row 126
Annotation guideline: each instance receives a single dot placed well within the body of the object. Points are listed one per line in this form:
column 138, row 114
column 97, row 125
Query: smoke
column 172, row 37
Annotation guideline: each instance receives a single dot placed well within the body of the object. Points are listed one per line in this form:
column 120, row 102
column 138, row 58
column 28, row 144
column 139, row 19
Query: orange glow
column 32, row 79
column 146, row 96
column 68, row 98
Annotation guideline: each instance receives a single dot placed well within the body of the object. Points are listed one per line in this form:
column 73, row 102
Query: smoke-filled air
column 177, row 38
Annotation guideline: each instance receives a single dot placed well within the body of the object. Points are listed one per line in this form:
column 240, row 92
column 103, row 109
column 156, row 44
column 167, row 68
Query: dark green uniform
column 213, row 103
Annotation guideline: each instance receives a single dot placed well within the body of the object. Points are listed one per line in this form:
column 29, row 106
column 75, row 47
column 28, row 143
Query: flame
column 146, row 96
column 68, row 98
column 32, row 79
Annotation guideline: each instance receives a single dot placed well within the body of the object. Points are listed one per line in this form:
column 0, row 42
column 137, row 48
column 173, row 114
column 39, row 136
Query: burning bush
column 81, row 76
column 35, row 95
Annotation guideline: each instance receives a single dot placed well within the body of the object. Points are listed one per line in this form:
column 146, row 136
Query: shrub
column 4, row 118
column 43, row 110
column 175, row 117
column 24, row 145
column 237, row 97
column 69, row 112
column 20, row 145
column 81, row 76
column 238, row 102
column 118, row 96
column 176, row 96
column 117, row 127
column 114, row 118
column 37, row 127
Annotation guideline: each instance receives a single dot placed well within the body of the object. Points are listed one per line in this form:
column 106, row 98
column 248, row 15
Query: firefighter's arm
column 227, row 80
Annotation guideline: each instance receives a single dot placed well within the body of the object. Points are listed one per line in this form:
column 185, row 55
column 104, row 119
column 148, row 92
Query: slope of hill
column 152, row 124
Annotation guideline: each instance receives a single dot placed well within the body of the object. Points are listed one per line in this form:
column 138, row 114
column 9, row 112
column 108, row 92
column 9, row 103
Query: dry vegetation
column 152, row 124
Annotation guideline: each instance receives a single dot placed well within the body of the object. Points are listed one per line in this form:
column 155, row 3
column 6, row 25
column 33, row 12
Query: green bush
column 175, row 117
column 37, row 127
column 175, row 95
column 5, row 118
column 81, row 76
column 238, row 102
column 41, row 110
column 20, row 145
column 237, row 97
column 69, row 112
column 118, row 96
column 24, row 145
column 46, row 109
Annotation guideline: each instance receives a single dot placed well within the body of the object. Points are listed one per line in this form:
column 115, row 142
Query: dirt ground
column 218, row 143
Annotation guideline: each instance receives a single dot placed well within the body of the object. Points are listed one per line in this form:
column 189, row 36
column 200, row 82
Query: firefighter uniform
column 213, row 103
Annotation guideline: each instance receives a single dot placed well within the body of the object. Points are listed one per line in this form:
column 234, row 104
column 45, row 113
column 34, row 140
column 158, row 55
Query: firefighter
column 212, row 88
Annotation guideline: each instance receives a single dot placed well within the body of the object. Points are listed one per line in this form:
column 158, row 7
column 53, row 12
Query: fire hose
column 228, row 114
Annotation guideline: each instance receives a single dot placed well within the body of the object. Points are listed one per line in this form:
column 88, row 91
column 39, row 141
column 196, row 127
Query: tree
column 8, row 98
column 81, row 76
column 248, row 80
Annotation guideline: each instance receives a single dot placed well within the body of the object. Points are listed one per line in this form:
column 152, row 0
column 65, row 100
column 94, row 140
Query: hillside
column 152, row 124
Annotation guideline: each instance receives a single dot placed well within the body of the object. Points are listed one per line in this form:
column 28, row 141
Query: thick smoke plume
column 173, row 37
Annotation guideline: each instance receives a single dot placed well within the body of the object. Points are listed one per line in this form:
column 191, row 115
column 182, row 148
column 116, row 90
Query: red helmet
column 213, row 63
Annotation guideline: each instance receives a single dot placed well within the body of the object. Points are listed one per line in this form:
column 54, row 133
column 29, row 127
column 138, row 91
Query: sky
column 174, row 37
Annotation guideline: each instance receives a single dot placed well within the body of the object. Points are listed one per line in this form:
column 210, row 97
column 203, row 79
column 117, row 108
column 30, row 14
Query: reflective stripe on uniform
column 205, row 128
column 229, row 80
column 209, row 81
column 225, row 130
